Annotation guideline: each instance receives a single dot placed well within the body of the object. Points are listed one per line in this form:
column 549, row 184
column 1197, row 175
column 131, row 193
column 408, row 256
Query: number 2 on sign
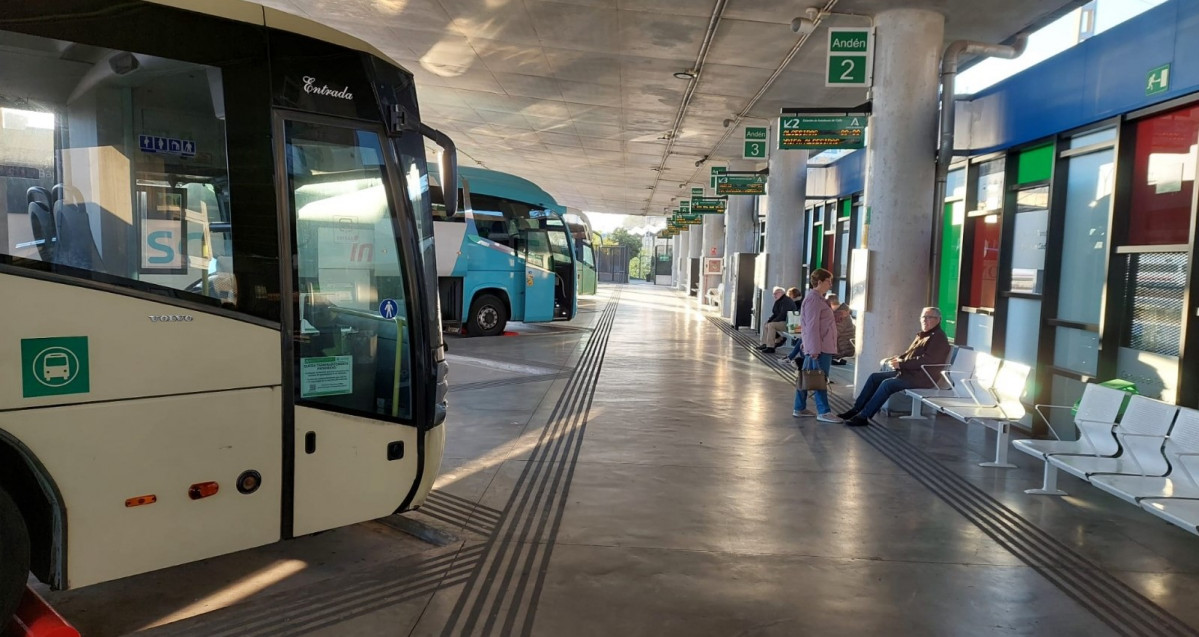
column 848, row 66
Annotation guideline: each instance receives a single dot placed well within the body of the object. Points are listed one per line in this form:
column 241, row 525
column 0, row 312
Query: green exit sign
column 850, row 57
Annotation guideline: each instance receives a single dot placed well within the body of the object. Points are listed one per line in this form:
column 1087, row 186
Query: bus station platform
column 638, row 471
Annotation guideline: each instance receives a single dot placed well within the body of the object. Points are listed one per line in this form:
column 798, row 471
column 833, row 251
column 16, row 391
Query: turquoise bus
column 580, row 230
column 506, row 255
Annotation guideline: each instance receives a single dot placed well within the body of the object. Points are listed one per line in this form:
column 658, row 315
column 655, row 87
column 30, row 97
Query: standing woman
column 819, row 342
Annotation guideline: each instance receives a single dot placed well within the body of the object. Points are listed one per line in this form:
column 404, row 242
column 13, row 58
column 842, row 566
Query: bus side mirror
column 448, row 164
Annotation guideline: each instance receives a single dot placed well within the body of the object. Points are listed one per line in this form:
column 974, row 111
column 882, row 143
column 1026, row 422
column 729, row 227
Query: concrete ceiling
column 579, row 97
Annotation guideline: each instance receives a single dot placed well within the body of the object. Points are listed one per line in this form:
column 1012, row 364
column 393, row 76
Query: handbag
column 811, row 377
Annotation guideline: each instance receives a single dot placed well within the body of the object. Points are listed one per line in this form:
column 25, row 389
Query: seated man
column 931, row 347
column 777, row 322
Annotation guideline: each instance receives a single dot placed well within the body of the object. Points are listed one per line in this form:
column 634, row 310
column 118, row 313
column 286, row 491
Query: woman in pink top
column 819, row 342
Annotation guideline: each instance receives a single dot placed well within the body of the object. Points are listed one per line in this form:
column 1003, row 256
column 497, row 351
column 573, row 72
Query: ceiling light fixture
column 685, row 75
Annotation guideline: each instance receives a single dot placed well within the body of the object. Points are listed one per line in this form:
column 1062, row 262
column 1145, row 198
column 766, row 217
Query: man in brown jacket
column 931, row 347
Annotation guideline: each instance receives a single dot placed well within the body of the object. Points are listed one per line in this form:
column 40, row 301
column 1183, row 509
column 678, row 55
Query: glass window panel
column 955, row 184
column 951, row 258
column 859, row 219
column 985, row 261
column 1028, row 240
column 123, row 179
column 1036, row 164
column 990, row 185
column 1076, row 350
column 1156, row 284
column 1093, row 137
column 1084, row 241
column 1163, row 178
column 978, row 332
column 1155, row 375
column 353, row 348
column 1064, row 391
column 1023, row 330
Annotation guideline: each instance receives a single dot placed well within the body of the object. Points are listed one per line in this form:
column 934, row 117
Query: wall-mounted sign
column 821, row 133
column 1158, row 80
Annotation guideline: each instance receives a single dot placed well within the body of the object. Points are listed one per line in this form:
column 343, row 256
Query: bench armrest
column 1183, row 465
column 1128, row 449
column 975, row 390
column 1039, row 407
column 1096, row 426
column 936, row 385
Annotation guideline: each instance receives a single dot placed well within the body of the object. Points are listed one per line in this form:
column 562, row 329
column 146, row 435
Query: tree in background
column 621, row 237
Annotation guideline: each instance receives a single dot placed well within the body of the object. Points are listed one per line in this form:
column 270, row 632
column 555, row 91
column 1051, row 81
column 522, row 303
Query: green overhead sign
column 1158, row 80
column 754, row 145
column 850, row 57
column 821, row 133
column 741, row 184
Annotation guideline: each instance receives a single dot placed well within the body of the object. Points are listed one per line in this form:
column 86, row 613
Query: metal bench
column 1097, row 410
column 994, row 407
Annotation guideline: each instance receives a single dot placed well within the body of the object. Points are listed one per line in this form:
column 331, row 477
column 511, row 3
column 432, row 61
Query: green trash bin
column 1116, row 383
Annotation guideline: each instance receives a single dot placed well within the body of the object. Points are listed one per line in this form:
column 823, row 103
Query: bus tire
column 14, row 557
column 487, row 316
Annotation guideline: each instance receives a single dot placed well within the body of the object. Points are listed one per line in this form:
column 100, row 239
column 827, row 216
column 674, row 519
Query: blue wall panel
column 1100, row 78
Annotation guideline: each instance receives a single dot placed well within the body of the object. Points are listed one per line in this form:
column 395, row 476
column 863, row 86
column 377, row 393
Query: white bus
column 220, row 323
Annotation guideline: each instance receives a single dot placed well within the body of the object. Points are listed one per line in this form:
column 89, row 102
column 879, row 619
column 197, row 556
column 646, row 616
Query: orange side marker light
column 202, row 490
column 140, row 500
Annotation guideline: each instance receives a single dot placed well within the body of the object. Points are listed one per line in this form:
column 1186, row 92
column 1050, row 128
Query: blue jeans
column 824, row 362
column 877, row 390
column 796, row 351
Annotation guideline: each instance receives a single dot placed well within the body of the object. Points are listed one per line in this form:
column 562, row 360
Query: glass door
column 355, row 451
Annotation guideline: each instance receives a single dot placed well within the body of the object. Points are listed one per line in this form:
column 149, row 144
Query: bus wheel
column 14, row 557
column 487, row 316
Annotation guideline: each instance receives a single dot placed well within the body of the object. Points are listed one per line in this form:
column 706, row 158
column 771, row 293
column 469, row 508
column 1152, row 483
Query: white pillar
column 674, row 261
column 684, row 259
column 902, row 137
column 740, row 235
column 786, row 187
column 695, row 250
column 713, row 247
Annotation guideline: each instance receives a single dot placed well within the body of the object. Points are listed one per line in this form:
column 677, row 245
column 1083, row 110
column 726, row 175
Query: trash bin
column 1116, row 383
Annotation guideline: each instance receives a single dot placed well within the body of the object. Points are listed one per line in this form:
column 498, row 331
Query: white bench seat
column 1176, row 511
column 960, row 367
column 1141, row 433
column 995, row 406
column 1098, row 410
column 1181, row 450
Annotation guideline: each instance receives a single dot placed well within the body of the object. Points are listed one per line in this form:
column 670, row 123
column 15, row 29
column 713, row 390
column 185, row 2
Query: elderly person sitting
column 845, row 330
column 777, row 321
column 931, row 347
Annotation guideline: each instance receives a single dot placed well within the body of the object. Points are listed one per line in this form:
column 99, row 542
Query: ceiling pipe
column 697, row 69
column 949, row 71
column 804, row 34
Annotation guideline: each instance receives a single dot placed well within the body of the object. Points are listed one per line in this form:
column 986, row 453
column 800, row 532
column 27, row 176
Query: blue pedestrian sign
column 388, row 309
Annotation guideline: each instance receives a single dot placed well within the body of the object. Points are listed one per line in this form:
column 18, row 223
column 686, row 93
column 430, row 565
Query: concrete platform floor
column 637, row 471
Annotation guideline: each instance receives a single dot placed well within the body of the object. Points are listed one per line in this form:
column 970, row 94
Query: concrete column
column 899, row 181
column 674, row 261
column 786, row 188
column 696, row 249
column 713, row 247
column 684, row 259
column 740, row 235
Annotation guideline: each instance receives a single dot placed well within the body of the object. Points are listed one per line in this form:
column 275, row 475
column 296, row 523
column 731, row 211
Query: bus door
column 354, row 445
column 540, row 279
